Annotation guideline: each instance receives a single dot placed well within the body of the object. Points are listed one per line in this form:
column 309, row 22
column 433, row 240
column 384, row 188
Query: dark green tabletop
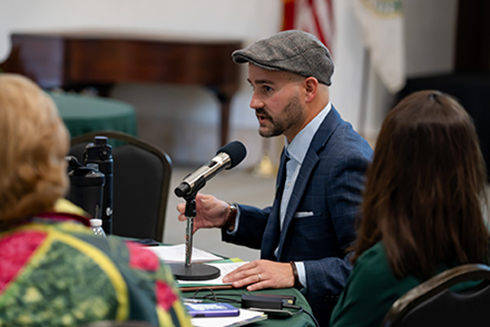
column 299, row 320
column 83, row 114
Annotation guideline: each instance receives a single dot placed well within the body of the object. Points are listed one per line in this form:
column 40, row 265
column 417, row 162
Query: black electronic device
column 261, row 302
column 286, row 299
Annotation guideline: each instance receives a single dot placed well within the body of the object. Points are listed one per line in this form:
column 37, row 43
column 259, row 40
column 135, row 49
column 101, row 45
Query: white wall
column 430, row 29
column 184, row 121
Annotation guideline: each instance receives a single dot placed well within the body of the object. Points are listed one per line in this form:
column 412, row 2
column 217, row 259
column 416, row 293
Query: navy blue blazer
column 327, row 196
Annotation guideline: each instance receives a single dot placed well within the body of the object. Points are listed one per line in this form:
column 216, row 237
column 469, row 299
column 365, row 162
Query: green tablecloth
column 299, row 320
column 83, row 114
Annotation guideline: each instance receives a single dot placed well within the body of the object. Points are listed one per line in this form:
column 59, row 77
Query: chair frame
column 432, row 287
column 167, row 162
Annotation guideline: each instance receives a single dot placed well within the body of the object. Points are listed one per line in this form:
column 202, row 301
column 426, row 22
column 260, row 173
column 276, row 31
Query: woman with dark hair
column 422, row 211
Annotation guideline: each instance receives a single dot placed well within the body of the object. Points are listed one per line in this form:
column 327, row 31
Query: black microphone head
column 236, row 150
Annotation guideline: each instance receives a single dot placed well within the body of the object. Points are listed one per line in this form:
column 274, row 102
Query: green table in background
column 83, row 114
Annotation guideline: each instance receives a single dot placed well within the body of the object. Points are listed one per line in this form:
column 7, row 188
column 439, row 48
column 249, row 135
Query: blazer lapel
column 311, row 159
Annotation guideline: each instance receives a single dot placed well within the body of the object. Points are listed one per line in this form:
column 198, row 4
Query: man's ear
column 311, row 88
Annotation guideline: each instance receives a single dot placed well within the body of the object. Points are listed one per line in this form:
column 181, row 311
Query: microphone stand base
column 195, row 271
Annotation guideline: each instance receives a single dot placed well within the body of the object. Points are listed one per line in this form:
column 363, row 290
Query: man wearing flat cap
column 304, row 235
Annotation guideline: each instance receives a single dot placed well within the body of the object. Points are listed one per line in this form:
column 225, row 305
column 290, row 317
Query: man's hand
column 260, row 274
column 210, row 212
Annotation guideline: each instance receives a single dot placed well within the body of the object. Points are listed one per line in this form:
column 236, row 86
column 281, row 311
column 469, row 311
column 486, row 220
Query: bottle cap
column 95, row 222
column 100, row 140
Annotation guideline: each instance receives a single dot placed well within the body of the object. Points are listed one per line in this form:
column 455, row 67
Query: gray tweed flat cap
column 293, row 51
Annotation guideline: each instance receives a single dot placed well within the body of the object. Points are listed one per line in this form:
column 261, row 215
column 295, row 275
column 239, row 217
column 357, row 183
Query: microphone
column 229, row 156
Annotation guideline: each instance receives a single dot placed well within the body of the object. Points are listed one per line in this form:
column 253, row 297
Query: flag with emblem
column 382, row 27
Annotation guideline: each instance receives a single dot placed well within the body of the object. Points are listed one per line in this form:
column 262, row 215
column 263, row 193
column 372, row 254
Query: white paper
column 224, row 268
column 245, row 317
column 176, row 253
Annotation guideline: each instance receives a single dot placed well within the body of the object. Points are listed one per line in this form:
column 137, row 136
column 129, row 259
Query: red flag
column 312, row 16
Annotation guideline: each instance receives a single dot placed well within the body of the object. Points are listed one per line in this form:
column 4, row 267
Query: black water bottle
column 86, row 186
column 100, row 153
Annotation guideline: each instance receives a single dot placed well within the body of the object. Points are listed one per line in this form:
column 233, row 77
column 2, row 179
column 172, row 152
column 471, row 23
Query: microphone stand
column 189, row 271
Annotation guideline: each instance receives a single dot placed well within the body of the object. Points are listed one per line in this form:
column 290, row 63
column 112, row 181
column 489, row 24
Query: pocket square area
column 303, row 214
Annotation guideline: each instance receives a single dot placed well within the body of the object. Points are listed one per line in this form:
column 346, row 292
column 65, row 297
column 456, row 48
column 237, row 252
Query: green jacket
column 371, row 290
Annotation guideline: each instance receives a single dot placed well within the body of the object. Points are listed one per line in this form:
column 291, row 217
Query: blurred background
column 381, row 48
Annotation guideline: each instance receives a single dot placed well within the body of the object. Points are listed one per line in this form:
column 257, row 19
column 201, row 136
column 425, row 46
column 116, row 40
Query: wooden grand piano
column 79, row 59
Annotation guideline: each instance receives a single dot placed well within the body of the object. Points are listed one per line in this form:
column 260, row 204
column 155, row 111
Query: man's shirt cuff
column 300, row 266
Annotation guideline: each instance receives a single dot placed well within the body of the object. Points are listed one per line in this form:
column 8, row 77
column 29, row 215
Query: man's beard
column 291, row 115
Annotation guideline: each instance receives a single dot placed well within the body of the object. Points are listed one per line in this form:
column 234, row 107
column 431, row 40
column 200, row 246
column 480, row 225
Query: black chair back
column 433, row 303
column 141, row 184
